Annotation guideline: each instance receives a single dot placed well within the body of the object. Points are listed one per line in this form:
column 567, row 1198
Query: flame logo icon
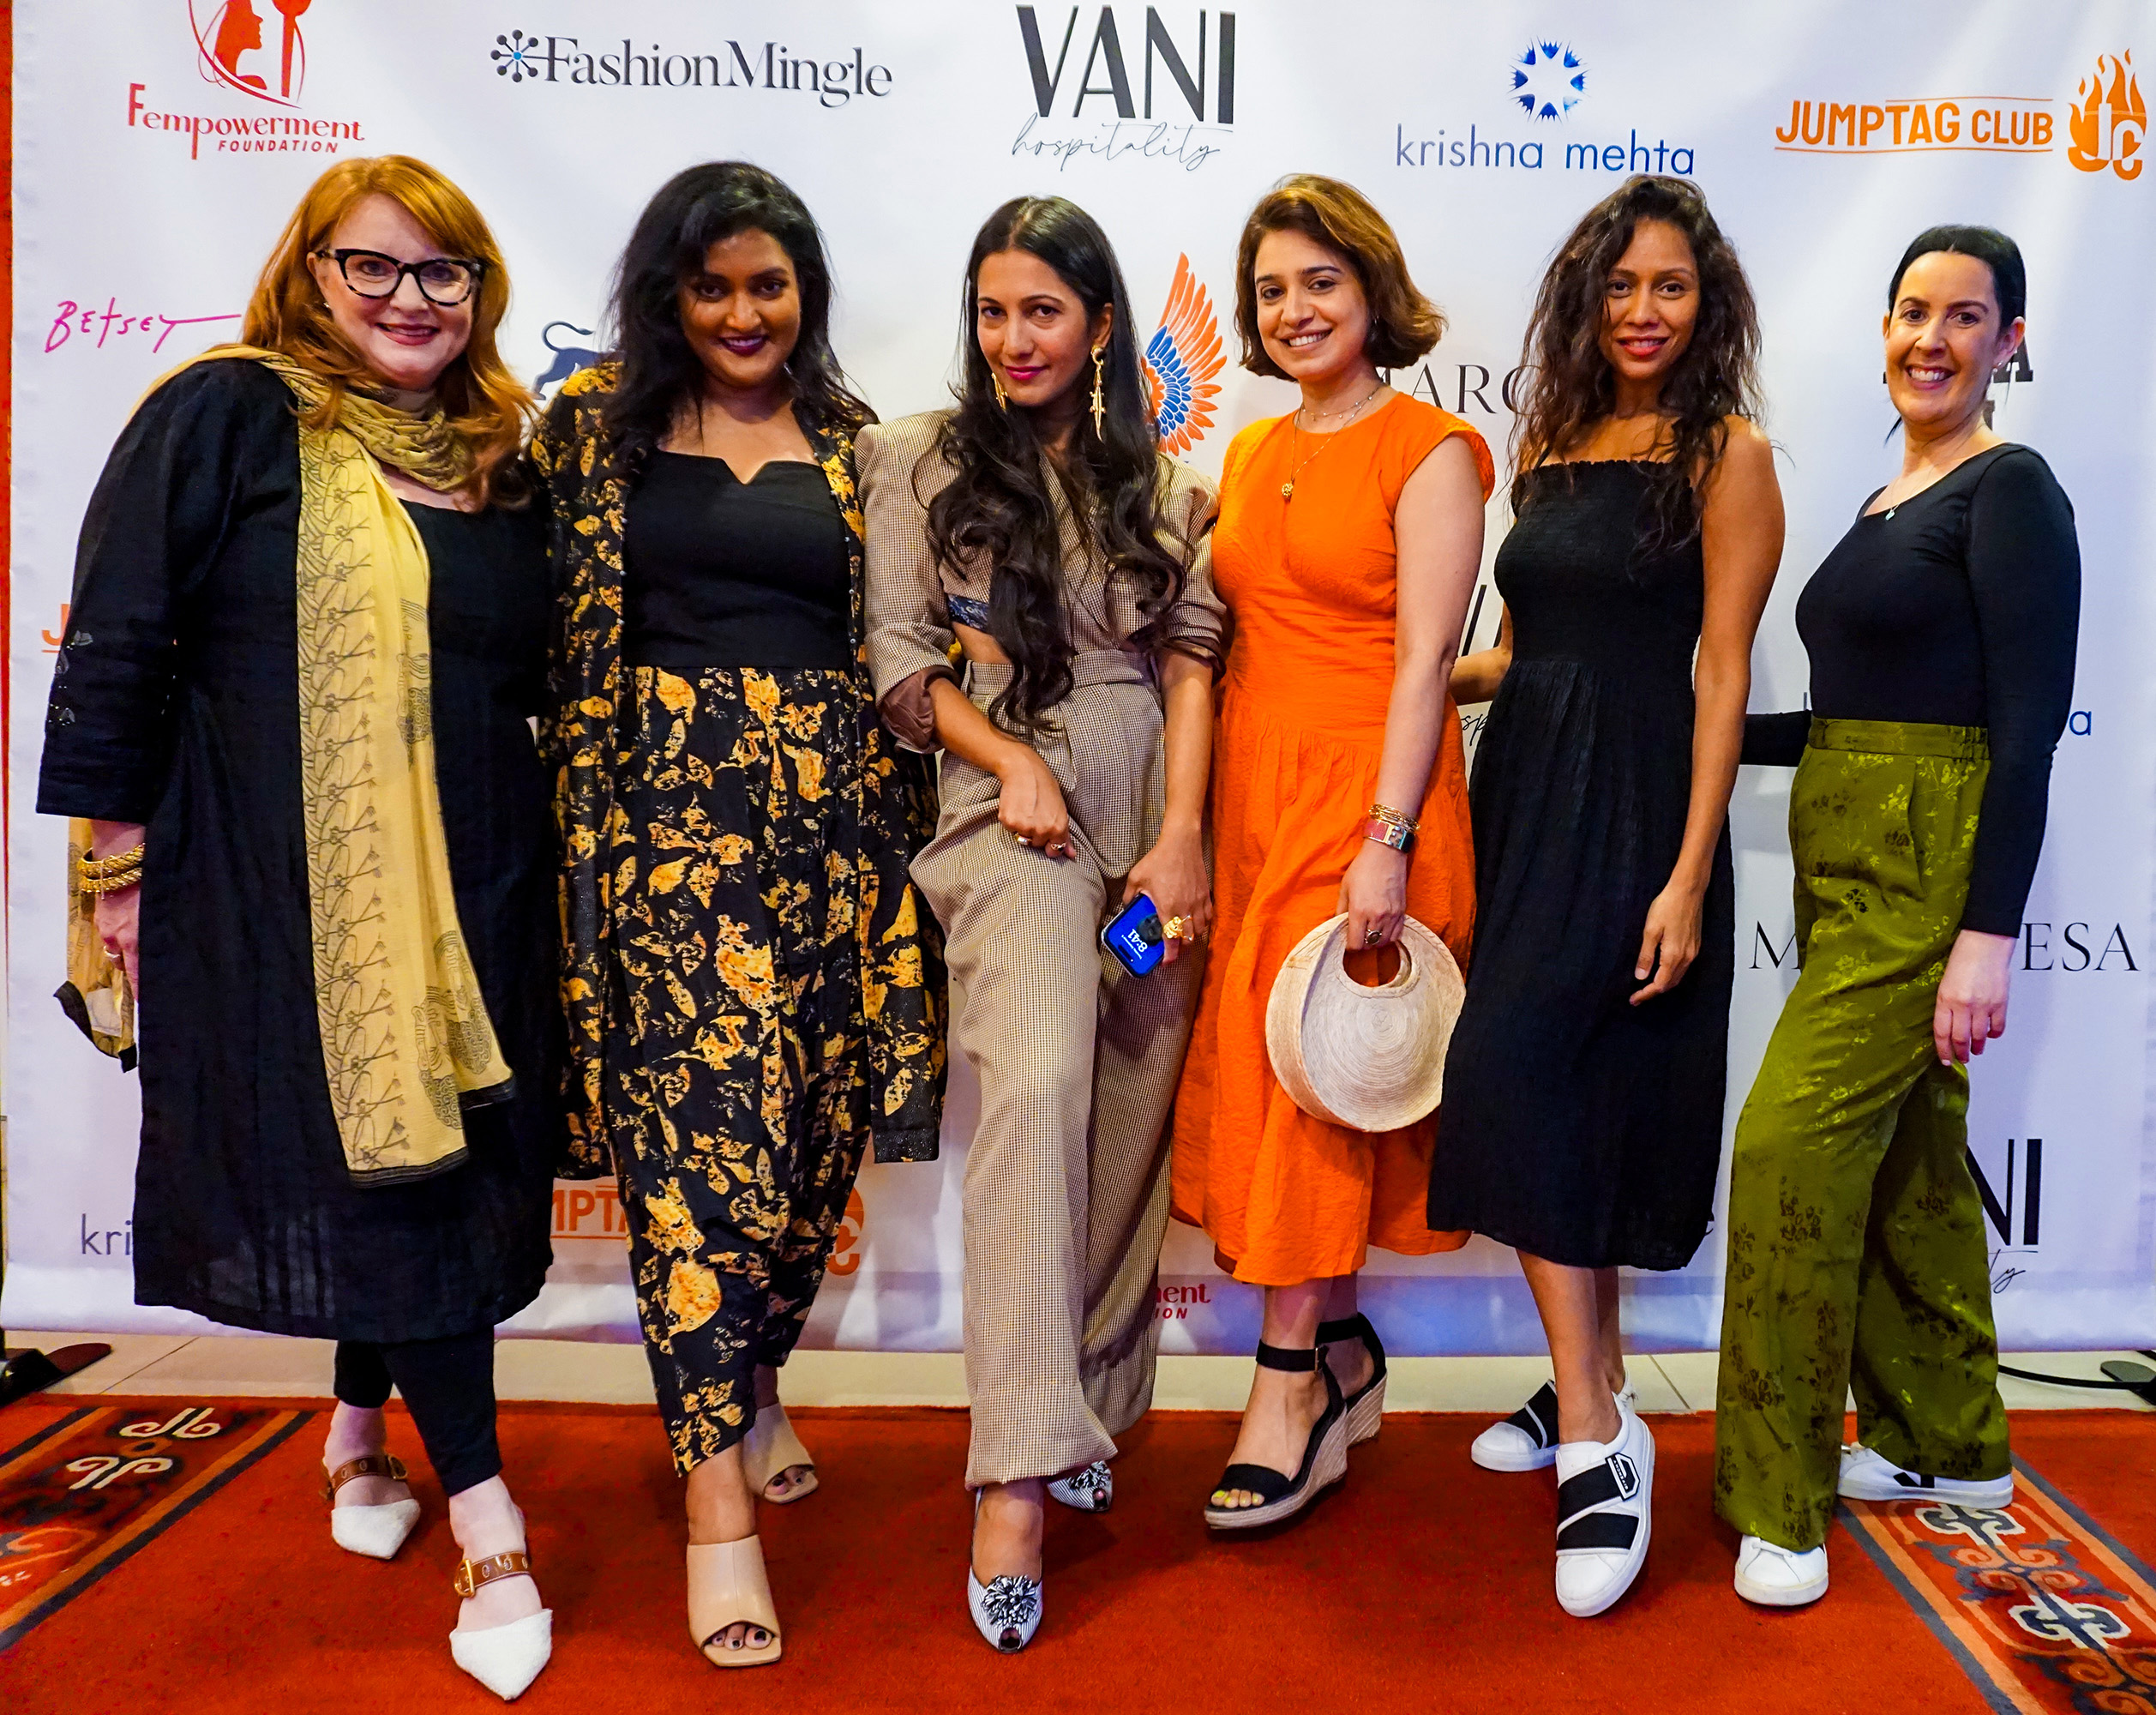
column 1180, row 361
column 2108, row 120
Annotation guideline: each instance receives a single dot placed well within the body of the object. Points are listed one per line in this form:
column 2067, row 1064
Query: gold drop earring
column 1099, row 408
column 1002, row 399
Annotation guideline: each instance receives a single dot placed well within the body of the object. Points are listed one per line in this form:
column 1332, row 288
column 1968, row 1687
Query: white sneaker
column 1605, row 1511
column 1526, row 1441
column 1090, row 1490
column 1777, row 1577
column 1867, row 1477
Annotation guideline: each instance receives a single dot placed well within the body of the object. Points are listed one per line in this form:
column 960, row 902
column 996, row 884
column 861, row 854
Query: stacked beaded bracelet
column 111, row 874
column 1391, row 828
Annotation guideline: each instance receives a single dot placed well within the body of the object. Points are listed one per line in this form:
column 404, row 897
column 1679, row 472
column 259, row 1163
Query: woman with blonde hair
column 289, row 716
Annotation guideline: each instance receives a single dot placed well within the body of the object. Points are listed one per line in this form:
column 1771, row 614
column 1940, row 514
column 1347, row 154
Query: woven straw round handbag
column 1372, row 1059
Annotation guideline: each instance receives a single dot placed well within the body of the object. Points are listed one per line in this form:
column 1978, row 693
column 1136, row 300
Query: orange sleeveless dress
column 1286, row 1198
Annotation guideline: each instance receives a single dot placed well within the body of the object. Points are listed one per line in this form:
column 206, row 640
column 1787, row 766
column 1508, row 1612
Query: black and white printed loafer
column 1866, row 1476
column 1526, row 1441
column 1090, row 1491
column 1605, row 1515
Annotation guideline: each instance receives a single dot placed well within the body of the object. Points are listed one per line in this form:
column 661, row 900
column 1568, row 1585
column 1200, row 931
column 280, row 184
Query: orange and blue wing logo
column 1181, row 359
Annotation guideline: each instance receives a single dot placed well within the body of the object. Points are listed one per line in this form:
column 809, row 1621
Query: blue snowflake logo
column 1548, row 80
column 514, row 59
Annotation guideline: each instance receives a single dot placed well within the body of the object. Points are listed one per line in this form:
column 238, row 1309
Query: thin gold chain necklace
column 1288, row 487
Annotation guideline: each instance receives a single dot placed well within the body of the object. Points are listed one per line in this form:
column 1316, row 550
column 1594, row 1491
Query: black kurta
column 175, row 704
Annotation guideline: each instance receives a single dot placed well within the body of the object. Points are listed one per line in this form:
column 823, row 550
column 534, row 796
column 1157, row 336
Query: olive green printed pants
column 1857, row 1253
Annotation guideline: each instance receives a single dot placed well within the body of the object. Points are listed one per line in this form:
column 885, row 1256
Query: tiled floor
column 575, row 1371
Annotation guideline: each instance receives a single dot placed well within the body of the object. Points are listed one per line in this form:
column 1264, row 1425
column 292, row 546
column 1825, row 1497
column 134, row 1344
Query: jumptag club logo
column 238, row 51
column 2106, row 123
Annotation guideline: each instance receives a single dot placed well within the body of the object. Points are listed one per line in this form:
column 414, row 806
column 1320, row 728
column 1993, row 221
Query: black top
column 175, row 703
column 720, row 572
column 1958, row 607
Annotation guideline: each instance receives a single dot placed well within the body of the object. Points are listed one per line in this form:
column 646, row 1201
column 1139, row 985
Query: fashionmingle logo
column 239, row 51
column 565, row 59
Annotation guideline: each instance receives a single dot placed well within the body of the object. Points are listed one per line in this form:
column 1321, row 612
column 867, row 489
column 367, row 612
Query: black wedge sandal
column 1325, row 1455
column 1366, row 1405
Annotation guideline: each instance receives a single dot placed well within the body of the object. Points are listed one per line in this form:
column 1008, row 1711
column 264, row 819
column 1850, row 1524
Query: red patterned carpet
column 170, row 1554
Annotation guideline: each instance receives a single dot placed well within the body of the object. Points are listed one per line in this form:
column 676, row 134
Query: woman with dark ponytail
column 1039, row 528
column 754, row 997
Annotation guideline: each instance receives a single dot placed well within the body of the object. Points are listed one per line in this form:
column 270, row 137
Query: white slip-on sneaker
column 1526, row 1441
column 1090, row 1490
column 1865, row 1476
column 1605, row 1513
column 375, row 1531
column 1777, row 1577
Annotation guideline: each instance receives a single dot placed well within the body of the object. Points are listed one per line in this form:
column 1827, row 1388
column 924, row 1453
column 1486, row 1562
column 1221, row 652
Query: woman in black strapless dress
column 1582, row 1111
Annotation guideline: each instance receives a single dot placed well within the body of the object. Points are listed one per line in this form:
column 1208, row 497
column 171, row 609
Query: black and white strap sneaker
column 1526, row 1441
column 1867, row 1476
column 1605, row 1515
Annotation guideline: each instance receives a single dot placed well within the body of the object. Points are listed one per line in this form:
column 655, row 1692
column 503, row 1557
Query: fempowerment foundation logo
column 240, row 53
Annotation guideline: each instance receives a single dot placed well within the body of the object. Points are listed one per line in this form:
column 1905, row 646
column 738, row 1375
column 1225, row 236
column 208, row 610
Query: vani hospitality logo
column 1130, row 91
column 239, row 51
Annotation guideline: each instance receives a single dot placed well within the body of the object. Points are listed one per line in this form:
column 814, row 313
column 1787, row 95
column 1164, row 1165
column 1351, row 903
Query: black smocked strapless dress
column 1577, row 1127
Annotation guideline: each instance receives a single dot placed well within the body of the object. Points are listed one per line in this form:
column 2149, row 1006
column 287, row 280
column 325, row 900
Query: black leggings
column 448, row 1385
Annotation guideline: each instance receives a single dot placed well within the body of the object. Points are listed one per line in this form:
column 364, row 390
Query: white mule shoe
column 375, row 1531
column 1866, row 1476
column 1777, row 1577
column 1526, row 1441
column 505, row 1659
column 769, row 1447
column 1605, row 1511
column 1091, row 1489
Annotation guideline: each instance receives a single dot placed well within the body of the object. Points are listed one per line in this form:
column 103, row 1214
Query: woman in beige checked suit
column 1038, row 528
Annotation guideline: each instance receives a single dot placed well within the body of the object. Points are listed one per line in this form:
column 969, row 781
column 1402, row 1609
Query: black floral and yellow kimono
column 754, row 991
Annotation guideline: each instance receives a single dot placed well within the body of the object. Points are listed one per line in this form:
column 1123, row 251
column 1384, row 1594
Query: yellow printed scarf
column 406, row 1042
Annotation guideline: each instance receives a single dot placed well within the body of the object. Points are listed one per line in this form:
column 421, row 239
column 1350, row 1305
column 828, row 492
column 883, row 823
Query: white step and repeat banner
column 160, row 144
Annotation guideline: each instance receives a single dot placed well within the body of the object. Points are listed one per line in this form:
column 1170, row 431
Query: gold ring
column 1180, row 928
column 1022, row 839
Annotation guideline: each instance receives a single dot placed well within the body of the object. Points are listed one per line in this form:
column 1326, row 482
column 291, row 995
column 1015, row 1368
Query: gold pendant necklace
column 1288, row 487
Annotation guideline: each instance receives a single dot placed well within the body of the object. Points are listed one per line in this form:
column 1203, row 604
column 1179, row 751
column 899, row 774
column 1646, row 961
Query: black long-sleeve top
column 1958, row 607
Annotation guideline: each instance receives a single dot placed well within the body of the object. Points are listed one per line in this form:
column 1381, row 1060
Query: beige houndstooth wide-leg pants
column 1066, row 1178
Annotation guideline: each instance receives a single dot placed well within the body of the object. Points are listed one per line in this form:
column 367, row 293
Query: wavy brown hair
column 1403, row 324
column 997, row 507
column 486, row 404
column 1571, row 386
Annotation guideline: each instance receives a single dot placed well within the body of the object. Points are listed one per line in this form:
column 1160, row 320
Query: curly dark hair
column 999, row 506
column 1570, row 385
column 660, row 372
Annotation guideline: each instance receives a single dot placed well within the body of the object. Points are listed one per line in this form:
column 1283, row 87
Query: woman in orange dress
column 1350, row 534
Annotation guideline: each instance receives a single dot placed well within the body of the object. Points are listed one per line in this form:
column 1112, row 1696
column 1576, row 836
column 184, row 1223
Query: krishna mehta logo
column 239, row 51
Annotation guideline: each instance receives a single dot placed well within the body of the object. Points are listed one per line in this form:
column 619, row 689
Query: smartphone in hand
column 1134, row 936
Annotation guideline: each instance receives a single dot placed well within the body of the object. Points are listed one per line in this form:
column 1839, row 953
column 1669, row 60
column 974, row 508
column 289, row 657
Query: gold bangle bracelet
column 1397, row 818
column 131, row 859
column 111, row 884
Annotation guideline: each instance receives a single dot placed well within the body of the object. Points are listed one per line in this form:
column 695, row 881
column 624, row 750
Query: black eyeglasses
column 445, row 280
